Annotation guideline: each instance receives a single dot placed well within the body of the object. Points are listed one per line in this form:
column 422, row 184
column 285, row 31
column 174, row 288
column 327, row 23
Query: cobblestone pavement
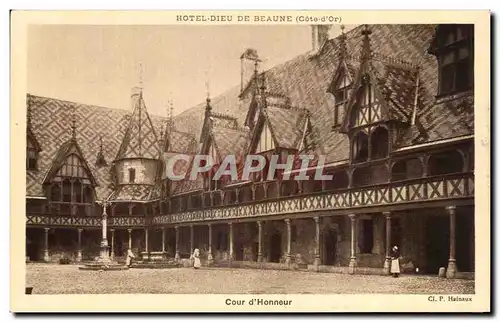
column 59, row 279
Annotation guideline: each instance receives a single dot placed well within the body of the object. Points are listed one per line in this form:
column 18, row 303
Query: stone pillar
column 231, row 253
column 163, row 240
column 191, row 238
column 452, row 263
column 79, row 252
column 259, row 254
column 46, row 256
column 146, row 238
column 352, row 261
column 104, row 242
column 210, row 257
column 387, row 262
column 112, row 243
column 288, row 255
column 177, row 256
column 317, row 260
column 129, row 238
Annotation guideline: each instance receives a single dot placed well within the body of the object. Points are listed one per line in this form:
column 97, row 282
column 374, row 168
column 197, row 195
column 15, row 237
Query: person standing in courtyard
column 196, row 258
column 130, row 255
column 395, row 256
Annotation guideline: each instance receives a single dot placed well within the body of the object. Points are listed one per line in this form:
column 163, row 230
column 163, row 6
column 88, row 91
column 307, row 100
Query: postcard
column 250, row 161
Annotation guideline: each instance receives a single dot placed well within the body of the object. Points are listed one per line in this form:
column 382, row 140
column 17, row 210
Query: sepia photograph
column 252, row 159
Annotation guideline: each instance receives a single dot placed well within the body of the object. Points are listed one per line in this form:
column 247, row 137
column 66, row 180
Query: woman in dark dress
column 395, row 255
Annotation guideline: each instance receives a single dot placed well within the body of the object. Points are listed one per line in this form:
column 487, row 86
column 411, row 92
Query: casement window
column 341, row 97
column 31, row 156
column 455, row 55
column 131, row 175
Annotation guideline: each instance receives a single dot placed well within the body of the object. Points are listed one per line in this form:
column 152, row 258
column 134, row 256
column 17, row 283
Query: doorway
column 255, row 251
column 329, row 247
column 275, row 254
column 464, row 242
column 437, row 230
column 34, row 238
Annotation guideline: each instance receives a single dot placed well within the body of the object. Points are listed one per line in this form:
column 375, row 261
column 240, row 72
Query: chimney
column 320, row 35
column 249, row 60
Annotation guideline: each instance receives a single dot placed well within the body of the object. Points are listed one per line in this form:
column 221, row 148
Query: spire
column 28, row 112
column 366, row 51
column 73, row 123
column 100, row 160
column 171, row 116
column 208, row 107
column 263, row 90
column 342, row 45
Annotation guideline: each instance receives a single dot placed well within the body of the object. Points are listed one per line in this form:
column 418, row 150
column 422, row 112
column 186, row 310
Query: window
column 455, row 58
column 131, row 175
column 31, row 156
column 71, row 192
column 367, row 236
column 360, row 147
column 379, row 143
column 341, row 96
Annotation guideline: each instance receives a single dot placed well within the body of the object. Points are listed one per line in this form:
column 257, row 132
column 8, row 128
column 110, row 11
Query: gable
column 266, row 139
column 140, row 140
column 70, row 163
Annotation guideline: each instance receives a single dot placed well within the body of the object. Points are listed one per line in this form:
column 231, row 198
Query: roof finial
column 366, row 43
column 28, row 112
column 73, row 123
column 208, row 108
column 171, row 115
column 343, row 45
column 140, row 74
column 263, row 90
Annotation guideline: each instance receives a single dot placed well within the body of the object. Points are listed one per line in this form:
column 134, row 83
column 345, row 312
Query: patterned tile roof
column 50, row 126
column 140, row 139
column 134, row 192
column 400, row 61
column 398, row 50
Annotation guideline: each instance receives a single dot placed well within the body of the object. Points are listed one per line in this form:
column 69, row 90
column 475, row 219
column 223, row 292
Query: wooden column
column 231, row 253
column 163, row 240
column 129, row 238
column 387, row 262
column 112, row 243
column 46, row 256
column 288, row 254
column 317, row 259
column 352, row 261
column 452, row 265
column 177, row 256
column 146, row 237
column 210, row 257
column 79, row 252
column 259, row 254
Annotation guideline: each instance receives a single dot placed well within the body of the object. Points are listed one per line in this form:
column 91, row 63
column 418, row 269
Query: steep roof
column 398, row 51
column 50, row 125
column 140, row 139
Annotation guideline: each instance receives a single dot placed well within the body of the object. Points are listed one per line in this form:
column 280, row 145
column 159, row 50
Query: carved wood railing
column 420, row 190
column 46, row 220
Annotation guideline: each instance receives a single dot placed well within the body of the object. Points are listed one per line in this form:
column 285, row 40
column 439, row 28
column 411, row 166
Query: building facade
column 390, row 106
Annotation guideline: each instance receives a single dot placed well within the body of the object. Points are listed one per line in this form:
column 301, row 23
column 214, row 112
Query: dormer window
column 131, row 175
column 454, row 49
column 341, row 96
column 31, row 156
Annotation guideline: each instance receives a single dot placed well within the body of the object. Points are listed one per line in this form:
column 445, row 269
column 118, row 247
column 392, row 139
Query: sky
column 99, row 65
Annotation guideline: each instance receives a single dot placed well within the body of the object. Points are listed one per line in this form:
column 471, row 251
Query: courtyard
column 68, row 279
